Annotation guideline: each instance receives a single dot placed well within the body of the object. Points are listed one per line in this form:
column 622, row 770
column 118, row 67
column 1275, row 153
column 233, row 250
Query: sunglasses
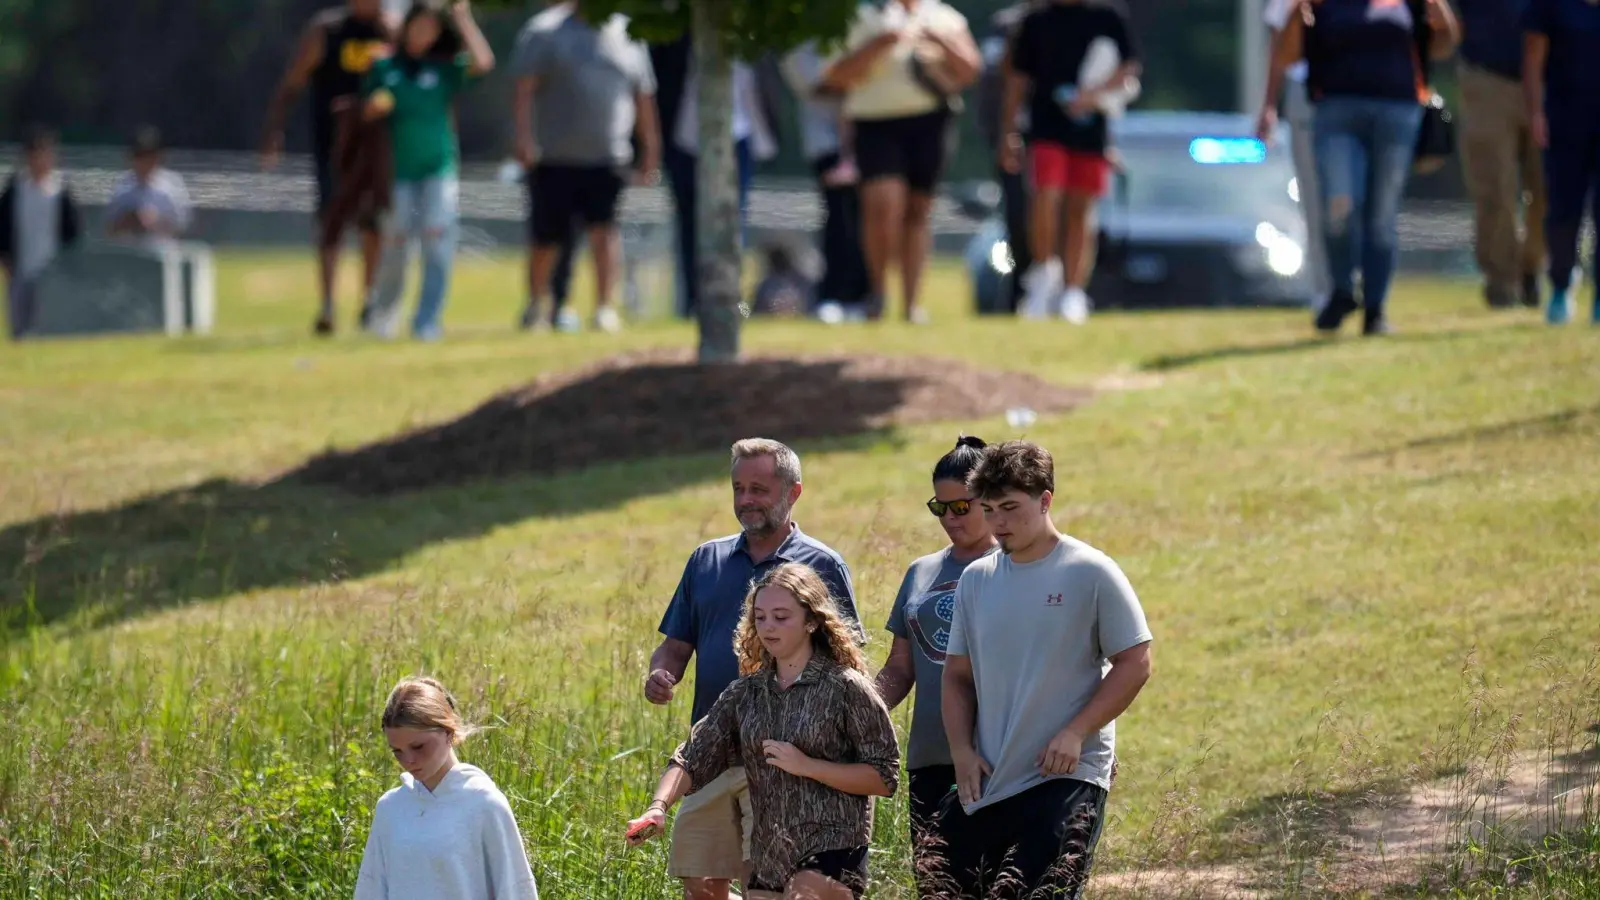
column 939, row 507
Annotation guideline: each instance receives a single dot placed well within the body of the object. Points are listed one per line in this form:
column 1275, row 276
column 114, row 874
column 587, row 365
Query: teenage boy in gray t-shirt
column 1048, row 645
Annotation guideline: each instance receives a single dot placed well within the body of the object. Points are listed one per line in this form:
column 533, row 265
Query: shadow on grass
column 1565, row 421
column 565, row 445
column 1169, row 362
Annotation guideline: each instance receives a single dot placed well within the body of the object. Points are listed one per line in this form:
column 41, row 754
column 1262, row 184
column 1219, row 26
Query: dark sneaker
column 1333, row 313
column 1500, row 296
column 1530, row 291
column 1374, row 324
column 323, row 326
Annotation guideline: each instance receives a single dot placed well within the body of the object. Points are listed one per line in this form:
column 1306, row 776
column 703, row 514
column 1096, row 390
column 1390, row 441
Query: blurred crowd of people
column 596, row 110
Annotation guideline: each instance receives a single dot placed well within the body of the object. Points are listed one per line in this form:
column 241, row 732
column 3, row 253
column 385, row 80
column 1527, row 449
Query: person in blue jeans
column 416, row 90
column 1561, row 82
column 1367, row 75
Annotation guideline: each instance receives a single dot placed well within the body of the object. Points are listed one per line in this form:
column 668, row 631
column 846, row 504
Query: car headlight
column 1000, row 258
column 1285, row 256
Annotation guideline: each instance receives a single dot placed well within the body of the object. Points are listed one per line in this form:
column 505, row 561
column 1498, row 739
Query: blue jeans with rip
column 426, row 211
column 1364, row 149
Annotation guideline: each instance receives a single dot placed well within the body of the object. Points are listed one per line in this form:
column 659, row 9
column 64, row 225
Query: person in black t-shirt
column 335, row 51
column 1067, row 137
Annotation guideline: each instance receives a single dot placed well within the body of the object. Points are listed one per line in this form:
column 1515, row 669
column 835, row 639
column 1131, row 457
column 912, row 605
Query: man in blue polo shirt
column 1561, row 84
column 711, row 833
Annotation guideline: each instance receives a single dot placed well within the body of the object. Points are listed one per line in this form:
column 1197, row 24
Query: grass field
column 1367, row 563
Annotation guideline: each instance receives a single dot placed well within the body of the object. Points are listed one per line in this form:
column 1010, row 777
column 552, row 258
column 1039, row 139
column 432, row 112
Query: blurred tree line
column 202, row 70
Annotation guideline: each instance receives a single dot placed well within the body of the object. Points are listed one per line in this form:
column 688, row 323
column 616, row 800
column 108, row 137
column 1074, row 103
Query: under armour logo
column 1053, row 600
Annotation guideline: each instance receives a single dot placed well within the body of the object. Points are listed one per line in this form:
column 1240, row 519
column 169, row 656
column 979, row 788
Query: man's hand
column 1010, row 152
column 1539, row 127
column 527, row 152
column 1084, row 104
column 649, row 169
column 271, row 151
column 1061, row 756
column 786, row 757
column 1266, row 124
column 658, row 687
column 970, row 772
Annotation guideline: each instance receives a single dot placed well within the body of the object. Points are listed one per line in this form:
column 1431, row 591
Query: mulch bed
column 661, row 403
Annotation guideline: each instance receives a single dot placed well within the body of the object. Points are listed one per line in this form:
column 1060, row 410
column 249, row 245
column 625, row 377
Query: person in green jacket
column 415, row 90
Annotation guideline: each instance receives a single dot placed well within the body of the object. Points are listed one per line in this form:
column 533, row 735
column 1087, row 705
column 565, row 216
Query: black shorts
column 1040, row 842
column 848, row 867
column 927, row 787
column 328, row 185
column 562, row 197
column 913, row 149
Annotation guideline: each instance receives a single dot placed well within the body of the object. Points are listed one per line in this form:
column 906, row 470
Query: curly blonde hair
column 834, row 638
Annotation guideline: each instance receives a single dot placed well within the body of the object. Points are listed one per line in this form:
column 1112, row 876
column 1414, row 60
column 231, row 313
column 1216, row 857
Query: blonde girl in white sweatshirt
column 446, row 831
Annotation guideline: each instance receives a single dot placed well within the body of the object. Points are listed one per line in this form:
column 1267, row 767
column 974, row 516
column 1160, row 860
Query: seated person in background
column 784, row 290
column 38, row 218
column 149, row 201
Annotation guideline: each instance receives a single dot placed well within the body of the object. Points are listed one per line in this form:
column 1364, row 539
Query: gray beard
column 772, row 521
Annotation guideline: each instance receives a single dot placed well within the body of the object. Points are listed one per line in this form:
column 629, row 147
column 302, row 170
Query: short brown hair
column 1013, row 466
column 424, row 704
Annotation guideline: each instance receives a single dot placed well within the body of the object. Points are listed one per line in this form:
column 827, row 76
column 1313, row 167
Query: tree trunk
column 717, row 222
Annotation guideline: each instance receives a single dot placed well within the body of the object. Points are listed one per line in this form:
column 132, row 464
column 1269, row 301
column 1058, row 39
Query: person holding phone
column 1367, row 71
column 812, row 735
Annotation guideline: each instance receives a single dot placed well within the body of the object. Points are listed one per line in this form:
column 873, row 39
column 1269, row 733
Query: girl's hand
column 379, row 104
column 786, row 757
column 647, row 826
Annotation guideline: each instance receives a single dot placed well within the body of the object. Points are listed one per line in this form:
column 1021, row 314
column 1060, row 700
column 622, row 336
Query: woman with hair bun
column 920, row 623
column 446, row 831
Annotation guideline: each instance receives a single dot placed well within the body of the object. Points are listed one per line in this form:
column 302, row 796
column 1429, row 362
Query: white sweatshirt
column 459, row 841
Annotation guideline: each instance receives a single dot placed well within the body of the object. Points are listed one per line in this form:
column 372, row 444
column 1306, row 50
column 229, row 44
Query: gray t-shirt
column 921, row 615
column 1039, row 636
column 584, row 110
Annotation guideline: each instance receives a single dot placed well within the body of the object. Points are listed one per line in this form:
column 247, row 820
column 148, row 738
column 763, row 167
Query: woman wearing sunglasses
column 920, row 623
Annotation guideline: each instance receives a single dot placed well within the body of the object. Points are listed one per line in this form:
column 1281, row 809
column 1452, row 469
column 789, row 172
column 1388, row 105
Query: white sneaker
column 1042, row 284
column 1075, row 305
column 567, row 321
column 607, row 320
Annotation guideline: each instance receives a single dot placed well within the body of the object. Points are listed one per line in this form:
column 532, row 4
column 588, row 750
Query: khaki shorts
column 711, row 832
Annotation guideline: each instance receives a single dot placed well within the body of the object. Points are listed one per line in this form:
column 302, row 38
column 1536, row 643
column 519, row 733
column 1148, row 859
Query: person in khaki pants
column 1500, row 159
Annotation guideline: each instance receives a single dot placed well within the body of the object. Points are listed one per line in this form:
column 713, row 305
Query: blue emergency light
column 1214, row 151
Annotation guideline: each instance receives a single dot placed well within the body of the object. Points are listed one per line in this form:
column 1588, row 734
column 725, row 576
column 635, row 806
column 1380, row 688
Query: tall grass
column 244, row 760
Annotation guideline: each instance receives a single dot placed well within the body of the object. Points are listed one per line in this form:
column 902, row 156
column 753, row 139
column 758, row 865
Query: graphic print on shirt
column 928, row 614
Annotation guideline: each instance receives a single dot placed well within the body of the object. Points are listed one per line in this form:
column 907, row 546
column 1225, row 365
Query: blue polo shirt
column 706, row 608
column 1572, row 69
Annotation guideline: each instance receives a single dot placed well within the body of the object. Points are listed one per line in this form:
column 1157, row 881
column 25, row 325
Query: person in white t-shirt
column 902, row 68
column 447, row 830
column 1297, row 109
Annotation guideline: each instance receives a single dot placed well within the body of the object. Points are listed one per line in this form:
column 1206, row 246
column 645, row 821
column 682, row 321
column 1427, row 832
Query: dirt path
column 1398, row 843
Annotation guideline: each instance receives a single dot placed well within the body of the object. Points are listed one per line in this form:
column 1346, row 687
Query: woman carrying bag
column 1367, row 76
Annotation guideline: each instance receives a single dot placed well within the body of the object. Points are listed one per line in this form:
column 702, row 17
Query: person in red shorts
column 1055, row 47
